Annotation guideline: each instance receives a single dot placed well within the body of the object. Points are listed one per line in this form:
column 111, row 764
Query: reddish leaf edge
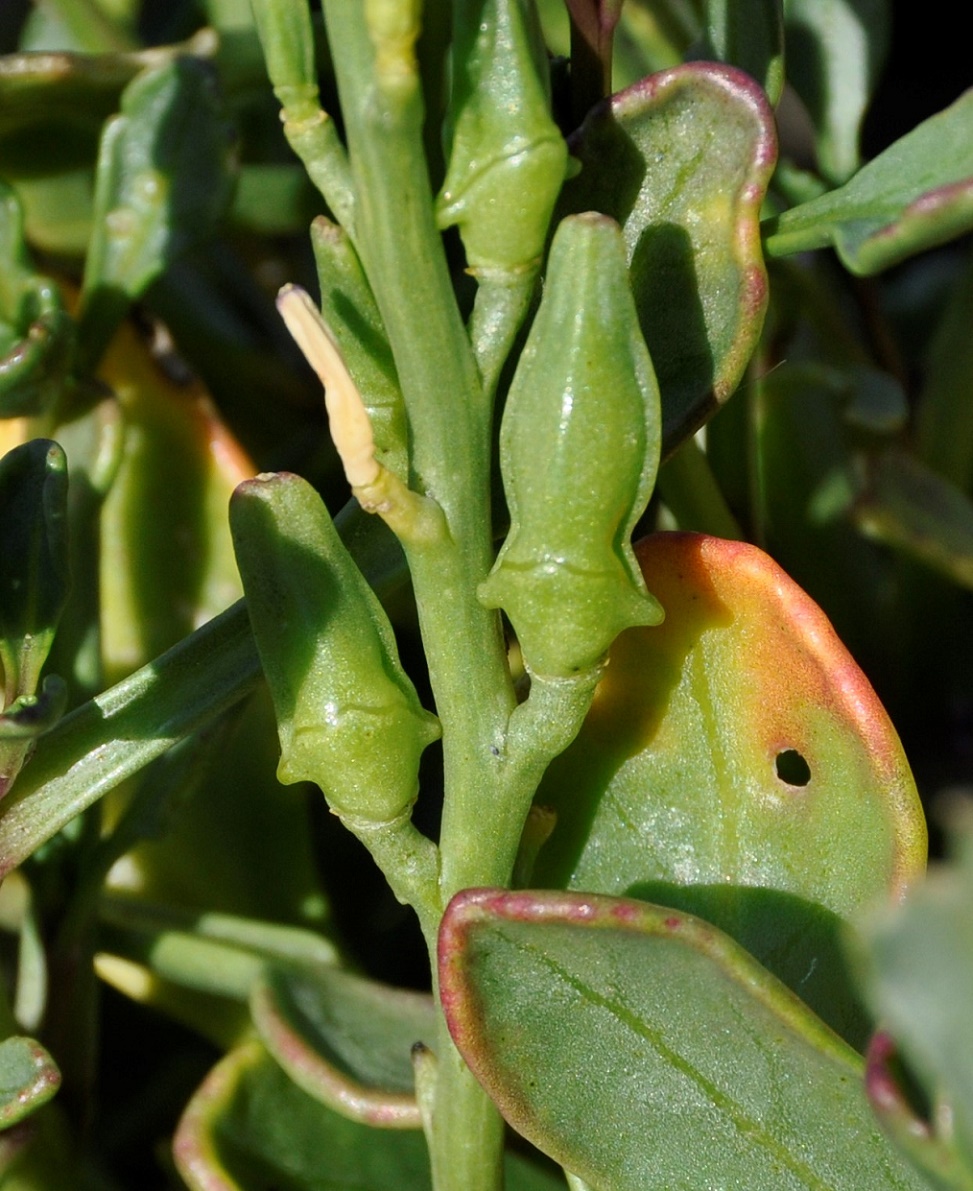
column 852, row 693
column 735, row 86
column 471, row 909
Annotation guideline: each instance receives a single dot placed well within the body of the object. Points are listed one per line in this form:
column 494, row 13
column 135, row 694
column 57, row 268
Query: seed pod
column 579, row 451
column 507, row 159
column 348, row 717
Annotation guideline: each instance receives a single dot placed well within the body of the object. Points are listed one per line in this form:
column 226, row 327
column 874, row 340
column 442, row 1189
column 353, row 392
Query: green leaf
column 931, row 1151
column 917, row 965
column 906, row 505
column 345, row 1040
column 165, row 176
column 28, row 1078
column 642, row 1049
column 915, row 195
column 118, row 732
column 33, row 560
column 249, row 1128
column 748, row 35
column 736, row 763
column 178, row 468
column 835, row 51
column 36, row 333
column 682, row 161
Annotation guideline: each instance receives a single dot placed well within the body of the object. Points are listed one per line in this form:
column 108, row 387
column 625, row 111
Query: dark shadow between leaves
column 797, row 940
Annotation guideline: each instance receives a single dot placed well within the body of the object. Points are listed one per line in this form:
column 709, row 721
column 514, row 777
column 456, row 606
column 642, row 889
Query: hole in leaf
column 792, row 768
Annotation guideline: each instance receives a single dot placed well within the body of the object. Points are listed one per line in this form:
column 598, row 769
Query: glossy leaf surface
column 249, row 1128
column 644, row 1050
column 737, row 763
column 918, row 965
column 346, row 1041
column 164, row 177
column 33, row 560
column 916, row 194
column 682, row 161
column 36, row 333
column 28, row 1078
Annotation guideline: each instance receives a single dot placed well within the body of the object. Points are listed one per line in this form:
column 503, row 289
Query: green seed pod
column 348, row 717
column 579, row 451
column 508, row 159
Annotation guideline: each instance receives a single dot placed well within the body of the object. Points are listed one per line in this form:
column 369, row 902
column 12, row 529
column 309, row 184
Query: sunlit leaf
column 736, row 763
column 916, row 194
column 28, row 1078
column 644, row 1050
column 682, row 160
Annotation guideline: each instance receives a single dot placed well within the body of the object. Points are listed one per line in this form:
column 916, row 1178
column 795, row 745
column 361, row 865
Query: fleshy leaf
column 164, row 177
column 935, row 1156
column 915, row 195
column 748, row 35
column 836, row 49
column 249, row 1128
column 28, row 1078
column 644, row 1050
column 33, row 560
column 682, row 161
column 736, row 762
column 346, row 1041
column 36, row 333
column 917, row 964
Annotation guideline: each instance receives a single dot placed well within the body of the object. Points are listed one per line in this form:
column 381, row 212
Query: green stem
column 499, row 309
column 402, row 253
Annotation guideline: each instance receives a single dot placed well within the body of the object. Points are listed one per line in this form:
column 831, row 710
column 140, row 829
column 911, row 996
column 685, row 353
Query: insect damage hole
column 792, row 768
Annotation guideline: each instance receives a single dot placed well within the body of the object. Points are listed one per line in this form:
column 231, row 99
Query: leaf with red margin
column 249, row 1128
column 736, row 763
column 682, row 160
column 915, row 195
column 345, row 1040
column 645, row 1051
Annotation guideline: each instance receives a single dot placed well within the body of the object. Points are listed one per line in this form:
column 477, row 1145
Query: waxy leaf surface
column 737, row 763
column 645, row 1051
column 249, row 1128
column 916, row 194
column 682, row 161
column 165, row 175
column 345, row 1040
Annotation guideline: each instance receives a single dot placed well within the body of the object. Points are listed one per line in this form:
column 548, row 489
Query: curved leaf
column 249, row 1128
column 915, row 195
column 346, row 1041
column 165, row 175
column 835, row 51
column 682, row 160
column 737, row 763
column 645, row 1051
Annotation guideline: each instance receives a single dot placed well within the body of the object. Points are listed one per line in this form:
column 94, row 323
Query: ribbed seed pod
column 579, row 451
column 507, row 158
column 348, row 716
